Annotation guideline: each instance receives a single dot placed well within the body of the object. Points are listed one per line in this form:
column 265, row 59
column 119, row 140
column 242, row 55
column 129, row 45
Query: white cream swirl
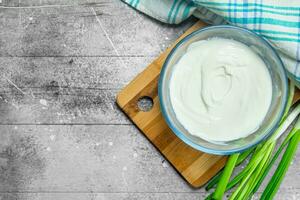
column 220, row 90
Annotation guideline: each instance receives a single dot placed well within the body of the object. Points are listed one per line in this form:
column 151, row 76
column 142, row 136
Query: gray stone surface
column 62, row 136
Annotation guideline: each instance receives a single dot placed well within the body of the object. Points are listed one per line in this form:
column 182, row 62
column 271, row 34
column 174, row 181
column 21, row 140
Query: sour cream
column 220, row 90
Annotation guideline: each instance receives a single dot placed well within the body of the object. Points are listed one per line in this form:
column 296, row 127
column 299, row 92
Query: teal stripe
column 255, row 15
column 131, row 2
column 187, row 9
column 271, row 21
column 281, row 39
column 261, row 14
column 276, row 32
column 229, row 11
column 245, row 14
column 250, row 4
column 136, row 3
column 177, row 10
column 253, row 10
column 171, row 10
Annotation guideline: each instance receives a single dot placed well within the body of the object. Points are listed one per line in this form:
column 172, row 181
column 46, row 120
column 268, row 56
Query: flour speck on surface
column 43, row 102
column 135, row 155
column 52, row 137
column 164, row 163
column 110, row 143
column 48, row 149
column 124, row 168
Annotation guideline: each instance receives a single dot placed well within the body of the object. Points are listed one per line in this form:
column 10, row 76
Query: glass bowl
column 279, row 90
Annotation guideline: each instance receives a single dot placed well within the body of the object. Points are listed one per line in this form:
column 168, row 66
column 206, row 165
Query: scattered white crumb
column 165, row 164
column 110, row 143
column 97, row 144
column 124, row 168
column 135, row 155
column 166, row 38
column 48, row 149
column 15, row 126
column 43, row 102
column 52, row 137
column 30, row 18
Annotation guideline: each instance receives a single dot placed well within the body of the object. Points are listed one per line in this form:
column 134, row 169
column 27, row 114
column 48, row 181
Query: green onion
column 221, row 187
column 282, row 168
column 261, row 166
column 289, row 100
column 262, row 159
column 213, row 181
column 242, row 157
column 276, row 155
column 286, row 123
column 239, row 177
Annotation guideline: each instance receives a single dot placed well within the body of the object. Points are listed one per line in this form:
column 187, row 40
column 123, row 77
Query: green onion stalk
column 274, row 183
column 250, row 178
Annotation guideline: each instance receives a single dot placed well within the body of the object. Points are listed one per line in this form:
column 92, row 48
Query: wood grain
column 195, row 166
column 44, row 152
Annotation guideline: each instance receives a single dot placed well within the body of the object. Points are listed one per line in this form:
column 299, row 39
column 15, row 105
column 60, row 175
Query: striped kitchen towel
column 276, row 20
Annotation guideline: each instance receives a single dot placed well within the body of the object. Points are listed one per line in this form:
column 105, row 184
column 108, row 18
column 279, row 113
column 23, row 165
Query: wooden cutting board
column 196, row 167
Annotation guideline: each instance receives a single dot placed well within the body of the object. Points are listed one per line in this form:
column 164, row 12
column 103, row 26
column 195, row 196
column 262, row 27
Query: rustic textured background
column 62, row 136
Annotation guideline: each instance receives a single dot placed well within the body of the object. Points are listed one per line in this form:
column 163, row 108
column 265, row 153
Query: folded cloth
column 278, row 21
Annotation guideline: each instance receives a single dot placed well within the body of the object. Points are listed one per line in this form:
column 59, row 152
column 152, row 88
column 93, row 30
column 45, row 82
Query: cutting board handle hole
column 145, row 103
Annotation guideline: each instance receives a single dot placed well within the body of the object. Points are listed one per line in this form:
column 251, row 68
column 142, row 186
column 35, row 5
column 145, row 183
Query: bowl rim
column 182, row 136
